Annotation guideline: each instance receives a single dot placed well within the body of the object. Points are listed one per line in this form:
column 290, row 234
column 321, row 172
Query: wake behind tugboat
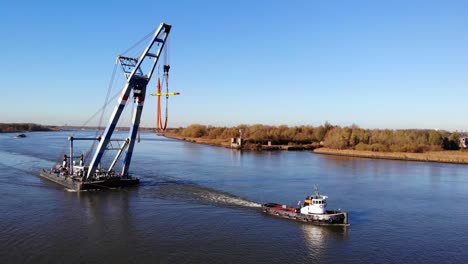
column 181, row 190
column 312, row 211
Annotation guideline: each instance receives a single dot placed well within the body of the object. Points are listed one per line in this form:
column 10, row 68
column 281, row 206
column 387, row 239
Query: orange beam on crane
column 159, row 124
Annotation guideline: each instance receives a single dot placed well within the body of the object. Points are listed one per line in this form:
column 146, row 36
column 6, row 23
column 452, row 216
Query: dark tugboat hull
column 75, row 183
column 331, row 217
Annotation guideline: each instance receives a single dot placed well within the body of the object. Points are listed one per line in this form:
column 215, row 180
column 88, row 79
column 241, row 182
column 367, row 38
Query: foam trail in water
column 182, row 190
column 227, row 199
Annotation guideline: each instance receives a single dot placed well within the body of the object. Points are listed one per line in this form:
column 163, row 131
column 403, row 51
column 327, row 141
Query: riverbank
column 446, row 156
column 213, row 142
column 24, row 127
column 246, row 146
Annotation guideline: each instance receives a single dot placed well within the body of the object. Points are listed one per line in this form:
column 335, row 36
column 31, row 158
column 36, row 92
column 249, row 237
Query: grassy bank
column 214, row 142
column 448, row 156
column 246, row 146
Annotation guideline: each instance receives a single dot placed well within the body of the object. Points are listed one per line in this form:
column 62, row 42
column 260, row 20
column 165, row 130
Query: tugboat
column 79, row 175
column 311, row 211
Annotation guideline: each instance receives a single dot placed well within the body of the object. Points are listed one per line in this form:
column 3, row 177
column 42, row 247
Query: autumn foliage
column 23, row 127
column 334, row 137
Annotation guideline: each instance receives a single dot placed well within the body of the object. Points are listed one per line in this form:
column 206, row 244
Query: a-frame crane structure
column 137, row 80
column 138, row 73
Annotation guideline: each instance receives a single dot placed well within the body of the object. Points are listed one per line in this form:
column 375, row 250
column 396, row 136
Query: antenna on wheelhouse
column 316, row 191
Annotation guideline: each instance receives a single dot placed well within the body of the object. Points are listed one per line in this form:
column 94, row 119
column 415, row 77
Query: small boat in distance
column 311, row 211
column 20, row 136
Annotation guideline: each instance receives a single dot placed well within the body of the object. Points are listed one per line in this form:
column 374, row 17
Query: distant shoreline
column 25, row 127
column 226, row 144
column 197, row 140
column 31, row 127
column 446, row 156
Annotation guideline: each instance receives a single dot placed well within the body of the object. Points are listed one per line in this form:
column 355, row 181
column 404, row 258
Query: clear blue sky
column 378, row 64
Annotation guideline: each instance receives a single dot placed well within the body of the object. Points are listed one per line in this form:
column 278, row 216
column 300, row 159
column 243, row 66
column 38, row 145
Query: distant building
column 236, row 142
column 464, row 142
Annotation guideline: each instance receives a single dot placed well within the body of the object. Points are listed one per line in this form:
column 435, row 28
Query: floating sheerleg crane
column 138, row 73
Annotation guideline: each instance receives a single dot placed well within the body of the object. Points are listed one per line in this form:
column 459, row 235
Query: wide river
column 199, row 204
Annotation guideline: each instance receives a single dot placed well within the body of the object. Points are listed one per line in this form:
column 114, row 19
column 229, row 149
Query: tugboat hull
column 75, row 182
column 330, row 217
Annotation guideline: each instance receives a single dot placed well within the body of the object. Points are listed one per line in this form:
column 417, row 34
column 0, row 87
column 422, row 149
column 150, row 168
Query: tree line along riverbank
column 24, row 127
column 402, row 144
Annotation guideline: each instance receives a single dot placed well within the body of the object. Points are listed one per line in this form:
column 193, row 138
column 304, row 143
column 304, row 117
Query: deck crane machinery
column 138, row 73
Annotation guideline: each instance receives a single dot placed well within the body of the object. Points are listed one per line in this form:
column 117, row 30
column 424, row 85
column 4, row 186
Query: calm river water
column 198, row 204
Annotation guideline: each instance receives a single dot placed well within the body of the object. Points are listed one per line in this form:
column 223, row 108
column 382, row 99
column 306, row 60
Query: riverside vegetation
column 24, row 127
column 407, row 144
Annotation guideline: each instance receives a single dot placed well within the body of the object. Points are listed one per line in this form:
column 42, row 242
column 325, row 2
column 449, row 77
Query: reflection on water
column 317, row 239
column 193, row 207
column 100, row 207
column 316, row 236
column 236, row 155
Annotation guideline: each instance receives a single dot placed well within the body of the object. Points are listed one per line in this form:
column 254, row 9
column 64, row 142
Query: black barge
column 77, row 183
